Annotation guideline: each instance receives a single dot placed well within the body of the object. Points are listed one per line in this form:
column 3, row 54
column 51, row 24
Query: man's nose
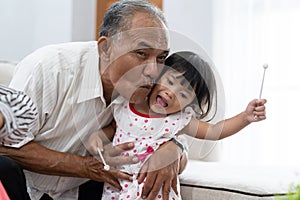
column 152, row 69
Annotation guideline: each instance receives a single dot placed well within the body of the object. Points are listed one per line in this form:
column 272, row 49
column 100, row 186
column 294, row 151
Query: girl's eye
column 169, row 82
column 183, row 95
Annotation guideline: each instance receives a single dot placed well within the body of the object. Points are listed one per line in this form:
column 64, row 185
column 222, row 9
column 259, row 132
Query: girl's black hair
column 200, row 76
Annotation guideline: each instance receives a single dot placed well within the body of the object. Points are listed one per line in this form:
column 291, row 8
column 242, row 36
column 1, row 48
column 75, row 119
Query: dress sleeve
column 20, row 115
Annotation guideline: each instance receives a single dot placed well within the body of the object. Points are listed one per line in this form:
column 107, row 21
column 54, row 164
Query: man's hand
column 37, row 158
column 161, row 171
column 94, row 168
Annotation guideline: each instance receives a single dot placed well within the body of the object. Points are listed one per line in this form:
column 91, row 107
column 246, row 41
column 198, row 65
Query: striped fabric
column 19, row 114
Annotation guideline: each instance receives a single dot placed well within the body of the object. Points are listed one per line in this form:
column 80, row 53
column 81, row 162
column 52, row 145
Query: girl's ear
column 104, row 48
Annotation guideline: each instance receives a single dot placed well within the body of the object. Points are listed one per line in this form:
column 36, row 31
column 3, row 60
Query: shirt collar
column 91, row 86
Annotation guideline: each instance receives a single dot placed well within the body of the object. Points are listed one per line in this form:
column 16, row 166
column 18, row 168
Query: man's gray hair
column 118, row 17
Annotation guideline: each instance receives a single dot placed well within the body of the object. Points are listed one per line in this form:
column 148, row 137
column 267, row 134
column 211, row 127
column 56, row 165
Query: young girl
column 18, row 115
column 186, row 85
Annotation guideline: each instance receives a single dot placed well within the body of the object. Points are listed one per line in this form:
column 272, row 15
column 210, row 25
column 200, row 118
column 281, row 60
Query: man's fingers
column 143, row 173
column 160, row 170
column 166, row 189
column 148, row 186
column 113, row 181
column 113, row 175
column 120, row 175
column 152, row 194
column 94, row 170
column 141, row 177
column 174, row 185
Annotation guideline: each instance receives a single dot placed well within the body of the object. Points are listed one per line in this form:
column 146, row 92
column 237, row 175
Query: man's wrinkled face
column 137, row 57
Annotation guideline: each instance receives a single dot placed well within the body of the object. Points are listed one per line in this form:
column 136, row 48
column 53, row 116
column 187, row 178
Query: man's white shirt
column 64, row 82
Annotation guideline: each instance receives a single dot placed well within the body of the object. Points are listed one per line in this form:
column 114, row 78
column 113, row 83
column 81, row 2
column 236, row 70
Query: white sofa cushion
column 6, row 72
column 204, row 150
column 221, row 181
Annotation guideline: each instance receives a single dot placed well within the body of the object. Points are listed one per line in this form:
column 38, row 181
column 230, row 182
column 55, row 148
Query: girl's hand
column 256, row 110
column 1, row 120
column 94, row 143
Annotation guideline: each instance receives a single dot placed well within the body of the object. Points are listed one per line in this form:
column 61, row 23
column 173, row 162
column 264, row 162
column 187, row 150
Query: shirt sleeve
column 36, row 75
column 20, row 115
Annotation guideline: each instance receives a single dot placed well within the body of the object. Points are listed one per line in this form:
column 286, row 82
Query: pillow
column 6, row 72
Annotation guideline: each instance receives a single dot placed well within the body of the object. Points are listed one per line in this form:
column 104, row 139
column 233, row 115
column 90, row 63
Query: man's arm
column 32, row 76
column 161, row 171
column 37, row 158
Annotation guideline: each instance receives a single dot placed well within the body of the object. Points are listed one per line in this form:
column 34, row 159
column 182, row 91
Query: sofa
column 6, row 71
column 206, row 178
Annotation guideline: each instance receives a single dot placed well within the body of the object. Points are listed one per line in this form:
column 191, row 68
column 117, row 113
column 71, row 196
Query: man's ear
column 104, row 48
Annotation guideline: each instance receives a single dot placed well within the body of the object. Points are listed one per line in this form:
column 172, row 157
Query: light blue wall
column 193, row 19
column 28, row 25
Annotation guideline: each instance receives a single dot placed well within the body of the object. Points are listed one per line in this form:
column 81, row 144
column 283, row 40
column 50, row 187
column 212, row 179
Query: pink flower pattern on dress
column 148, row 134
column 142, row 156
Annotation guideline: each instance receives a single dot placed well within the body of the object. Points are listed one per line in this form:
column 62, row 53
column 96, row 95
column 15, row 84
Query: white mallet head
column 265, row 66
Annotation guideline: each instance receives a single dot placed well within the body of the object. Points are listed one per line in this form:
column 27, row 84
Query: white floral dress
column 148, row 133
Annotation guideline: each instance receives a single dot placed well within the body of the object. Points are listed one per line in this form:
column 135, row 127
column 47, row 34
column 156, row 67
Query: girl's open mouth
column 161, row 101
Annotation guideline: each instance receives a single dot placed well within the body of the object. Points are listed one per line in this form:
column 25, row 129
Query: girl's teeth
column 161, row 101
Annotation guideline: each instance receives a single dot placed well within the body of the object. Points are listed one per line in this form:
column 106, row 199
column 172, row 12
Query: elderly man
column 73, row 85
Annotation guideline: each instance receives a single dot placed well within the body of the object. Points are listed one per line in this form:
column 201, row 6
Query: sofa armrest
column 6, row 72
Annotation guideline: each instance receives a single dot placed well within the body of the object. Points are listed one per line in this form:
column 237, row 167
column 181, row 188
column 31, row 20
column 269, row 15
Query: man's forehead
column 154, row 38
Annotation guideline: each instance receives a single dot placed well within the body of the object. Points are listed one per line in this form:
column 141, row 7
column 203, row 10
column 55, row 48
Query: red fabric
column 3, row 194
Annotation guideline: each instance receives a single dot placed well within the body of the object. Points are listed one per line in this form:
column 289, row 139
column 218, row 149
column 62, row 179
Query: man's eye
column 140, row 53
column 161, row 59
